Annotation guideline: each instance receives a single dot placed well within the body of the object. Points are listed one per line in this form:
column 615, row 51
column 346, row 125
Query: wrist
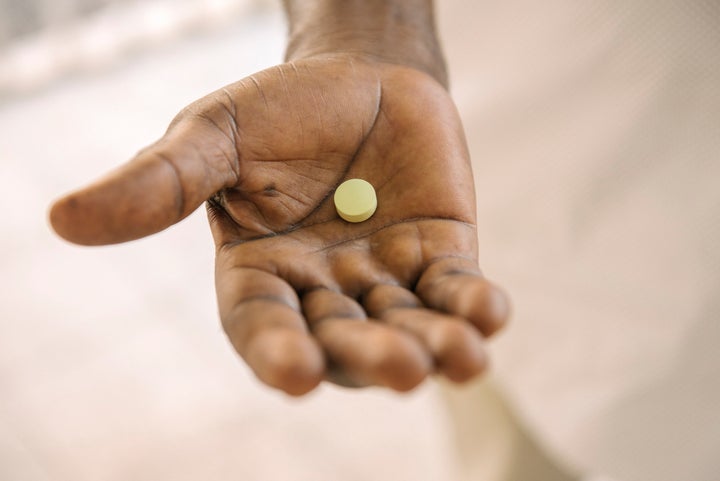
column 401, row 32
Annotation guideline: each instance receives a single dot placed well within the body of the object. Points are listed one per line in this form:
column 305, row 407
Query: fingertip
column 78, row 217
column 59, row 216
column 287, row 360
column 481, row 302
column 400, row 362
column 408, row 383
column 460, row 351
column 73, row 220
column 494, row 309
column 473, row 365
column 136, row 200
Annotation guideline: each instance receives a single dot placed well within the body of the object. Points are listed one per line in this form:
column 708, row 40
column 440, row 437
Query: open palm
column 304, row 295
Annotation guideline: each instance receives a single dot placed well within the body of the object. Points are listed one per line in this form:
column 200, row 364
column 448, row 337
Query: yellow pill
column 355, row 200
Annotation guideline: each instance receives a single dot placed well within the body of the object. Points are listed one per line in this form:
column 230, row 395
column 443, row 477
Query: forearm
column 394, row 31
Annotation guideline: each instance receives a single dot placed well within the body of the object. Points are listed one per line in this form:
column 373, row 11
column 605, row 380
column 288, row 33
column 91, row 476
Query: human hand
column 304, row 295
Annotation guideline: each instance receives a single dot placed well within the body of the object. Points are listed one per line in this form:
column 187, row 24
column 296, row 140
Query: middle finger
column 366, row 352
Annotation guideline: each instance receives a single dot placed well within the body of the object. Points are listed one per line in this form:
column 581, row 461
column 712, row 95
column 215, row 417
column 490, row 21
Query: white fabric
column 595, row 131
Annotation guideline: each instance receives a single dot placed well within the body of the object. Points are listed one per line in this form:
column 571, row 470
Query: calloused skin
column 303, row 295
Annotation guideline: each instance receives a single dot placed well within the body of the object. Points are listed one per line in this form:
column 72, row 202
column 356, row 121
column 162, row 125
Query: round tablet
column 355, row 200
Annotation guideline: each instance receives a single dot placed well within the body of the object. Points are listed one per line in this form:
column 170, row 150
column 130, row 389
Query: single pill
column 355, row 200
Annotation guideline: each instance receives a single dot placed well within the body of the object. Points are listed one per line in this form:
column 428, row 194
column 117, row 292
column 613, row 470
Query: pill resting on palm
column 355, row 200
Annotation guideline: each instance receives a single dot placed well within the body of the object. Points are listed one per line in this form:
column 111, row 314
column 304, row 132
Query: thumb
column 160, row 186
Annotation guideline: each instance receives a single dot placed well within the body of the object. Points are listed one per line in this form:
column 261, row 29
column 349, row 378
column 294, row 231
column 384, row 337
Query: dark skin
column 304, row 295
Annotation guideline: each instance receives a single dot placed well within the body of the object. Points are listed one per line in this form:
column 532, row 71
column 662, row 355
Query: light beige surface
column 492, row 443
column 594, row 127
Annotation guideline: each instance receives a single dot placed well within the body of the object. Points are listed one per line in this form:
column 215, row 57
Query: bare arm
column 401, row 32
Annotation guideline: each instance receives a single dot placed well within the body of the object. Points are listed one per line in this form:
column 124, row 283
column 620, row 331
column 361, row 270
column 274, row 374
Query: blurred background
column 593, row 129
column 113, row 365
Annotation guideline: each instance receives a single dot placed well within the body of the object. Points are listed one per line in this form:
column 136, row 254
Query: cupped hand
column 304, row 295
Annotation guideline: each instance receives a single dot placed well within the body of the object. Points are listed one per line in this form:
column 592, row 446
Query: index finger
column 261, row 316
